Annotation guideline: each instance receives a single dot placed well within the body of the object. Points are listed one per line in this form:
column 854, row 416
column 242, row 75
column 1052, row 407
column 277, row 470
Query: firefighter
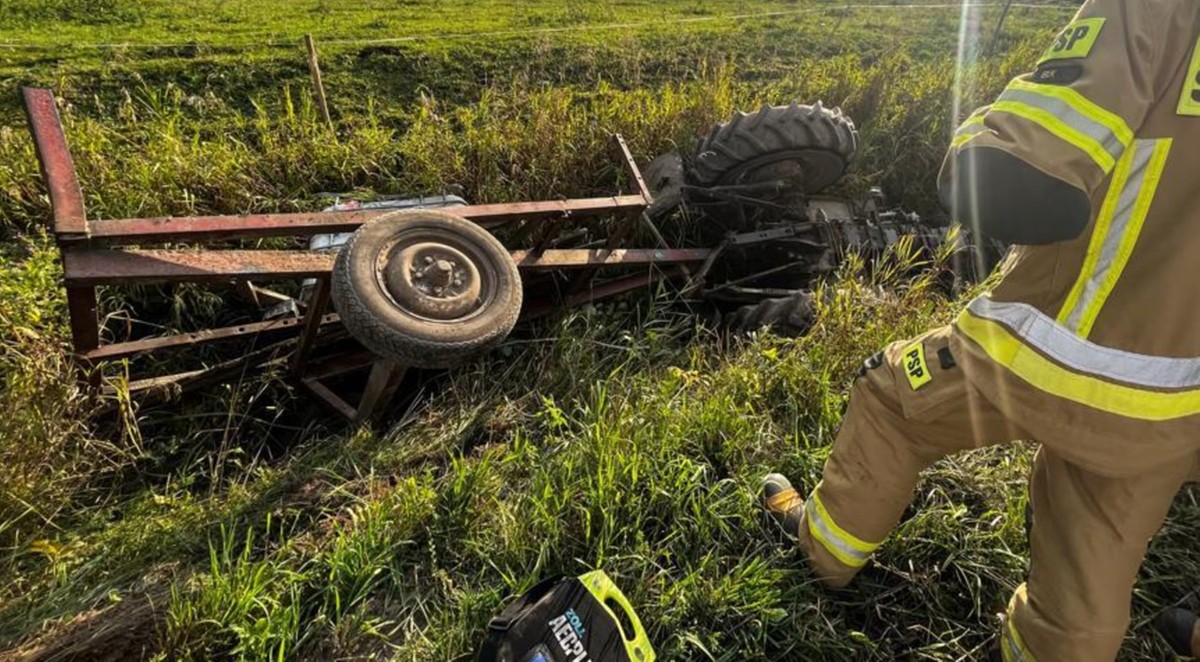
column 1089, row 344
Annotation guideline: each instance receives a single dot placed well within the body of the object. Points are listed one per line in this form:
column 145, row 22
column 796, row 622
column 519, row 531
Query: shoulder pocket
column 927, row 378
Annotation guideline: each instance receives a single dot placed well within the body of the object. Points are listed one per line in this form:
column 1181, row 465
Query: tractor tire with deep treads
column 790, row 317
column 426, row 288
column 812, row 144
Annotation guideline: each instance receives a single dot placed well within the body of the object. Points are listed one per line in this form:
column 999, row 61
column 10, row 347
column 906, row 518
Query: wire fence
column 1054, row 5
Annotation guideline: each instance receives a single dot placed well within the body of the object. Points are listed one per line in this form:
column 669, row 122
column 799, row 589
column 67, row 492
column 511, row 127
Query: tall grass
column 162, row 152
column 636, row 453
column 625, row 438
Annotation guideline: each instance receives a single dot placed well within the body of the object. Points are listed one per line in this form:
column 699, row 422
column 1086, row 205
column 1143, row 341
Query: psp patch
column 1075, row 41
column 1189, row 98
column 915, row 367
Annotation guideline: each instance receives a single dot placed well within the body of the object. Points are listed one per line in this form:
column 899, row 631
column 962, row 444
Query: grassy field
column 243, row 522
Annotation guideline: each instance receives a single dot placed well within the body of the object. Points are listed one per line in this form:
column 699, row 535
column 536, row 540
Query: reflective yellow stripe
column 1006, row 349
column 975, row 118
column 1014, row 647
column 971, row 127
column 1060, row 129
column 1122, row 243
column 1067, row 114
column 1011, row 644
column 1103, row 220
column 844, row 546
column 1081, row 104
column 961, row 139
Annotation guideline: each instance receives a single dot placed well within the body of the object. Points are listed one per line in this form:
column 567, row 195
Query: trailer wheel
column 426, row 288
column 812, row 143
column 788, row 316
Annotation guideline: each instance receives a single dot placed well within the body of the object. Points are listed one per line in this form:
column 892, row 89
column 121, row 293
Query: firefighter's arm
column 1024, row 169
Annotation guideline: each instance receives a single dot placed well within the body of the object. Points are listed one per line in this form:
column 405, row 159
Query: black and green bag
column 568, row 620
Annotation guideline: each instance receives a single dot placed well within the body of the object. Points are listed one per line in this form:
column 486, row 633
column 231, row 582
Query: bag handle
column 603, row 589
column 514, row 611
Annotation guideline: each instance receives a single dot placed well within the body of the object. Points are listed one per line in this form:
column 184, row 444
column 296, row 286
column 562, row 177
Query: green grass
column 622, row 437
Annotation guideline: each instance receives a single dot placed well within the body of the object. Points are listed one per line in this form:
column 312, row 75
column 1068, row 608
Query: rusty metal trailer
column 113, row 253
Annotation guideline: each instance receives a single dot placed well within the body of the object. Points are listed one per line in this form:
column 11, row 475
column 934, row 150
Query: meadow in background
column 243, row 521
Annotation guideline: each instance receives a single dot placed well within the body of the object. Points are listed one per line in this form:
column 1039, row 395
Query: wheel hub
column 433, row 280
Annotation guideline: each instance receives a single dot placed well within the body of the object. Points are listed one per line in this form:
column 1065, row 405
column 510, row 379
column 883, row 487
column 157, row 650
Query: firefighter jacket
column 1097, row 339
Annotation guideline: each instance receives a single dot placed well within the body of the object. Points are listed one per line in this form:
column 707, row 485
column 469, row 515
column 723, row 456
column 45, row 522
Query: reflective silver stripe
column 1068, row 349
column 1010, row 643
column 973, row 121
column 1143, row 152
column 970, row 129
column 826, row 536
column 1069, row 116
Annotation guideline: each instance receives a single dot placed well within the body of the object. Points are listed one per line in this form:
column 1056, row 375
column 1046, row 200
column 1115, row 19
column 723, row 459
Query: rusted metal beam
column 166, row 386
column 58, row 170
column 322, row 393
column 600, row 292
column 85, row 323
column 382, row 383
column 333, row 366
column 631, row 167
column 333, row 399
column 616, row 238
column 127, row 349
column 583, row 258
column 312, row 324
column 195, row 228
column 126, row 267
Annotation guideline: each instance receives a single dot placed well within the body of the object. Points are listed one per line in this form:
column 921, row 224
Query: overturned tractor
column 753, row 191
column 377, row 288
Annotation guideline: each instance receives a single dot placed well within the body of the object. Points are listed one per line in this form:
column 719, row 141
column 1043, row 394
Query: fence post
column 314, row 68
column 999, row 27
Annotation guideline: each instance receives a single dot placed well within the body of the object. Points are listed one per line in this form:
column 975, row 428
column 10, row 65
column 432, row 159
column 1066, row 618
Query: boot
column 783, row 504
column 1181, row 628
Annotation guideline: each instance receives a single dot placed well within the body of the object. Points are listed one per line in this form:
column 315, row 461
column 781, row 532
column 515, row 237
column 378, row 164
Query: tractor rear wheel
column 811, row 144
column 426, row 288
column 788, row 316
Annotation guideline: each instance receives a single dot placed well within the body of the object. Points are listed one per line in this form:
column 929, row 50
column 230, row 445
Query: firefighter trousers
column 1089, row 535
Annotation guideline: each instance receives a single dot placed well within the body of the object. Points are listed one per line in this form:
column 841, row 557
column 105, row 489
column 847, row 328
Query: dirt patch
column 125, row 631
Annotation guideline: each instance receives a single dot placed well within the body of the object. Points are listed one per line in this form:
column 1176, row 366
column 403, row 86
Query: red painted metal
column 317, row 304
column 58, row 170
column 322, row 393
column 133, row 348
column 607, row 290
column 126, row 267
column 634, row 172
column 90, row 260
column 109, row 266
column 381, row 386
column 213, row 228
column 332, row 366
column 85, row 323
column 596, row 258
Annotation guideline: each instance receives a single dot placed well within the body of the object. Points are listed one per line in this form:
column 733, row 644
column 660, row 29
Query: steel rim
column 435, row 276
column 817, row 168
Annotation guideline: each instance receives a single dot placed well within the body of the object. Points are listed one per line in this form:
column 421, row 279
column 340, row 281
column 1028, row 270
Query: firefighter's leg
column 1090, row 534
column 908, row 410
column 1181, row 627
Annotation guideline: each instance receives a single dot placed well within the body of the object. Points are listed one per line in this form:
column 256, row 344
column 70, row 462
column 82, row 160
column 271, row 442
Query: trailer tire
column 787, row 316
column 812, row 143
column 426, row 288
